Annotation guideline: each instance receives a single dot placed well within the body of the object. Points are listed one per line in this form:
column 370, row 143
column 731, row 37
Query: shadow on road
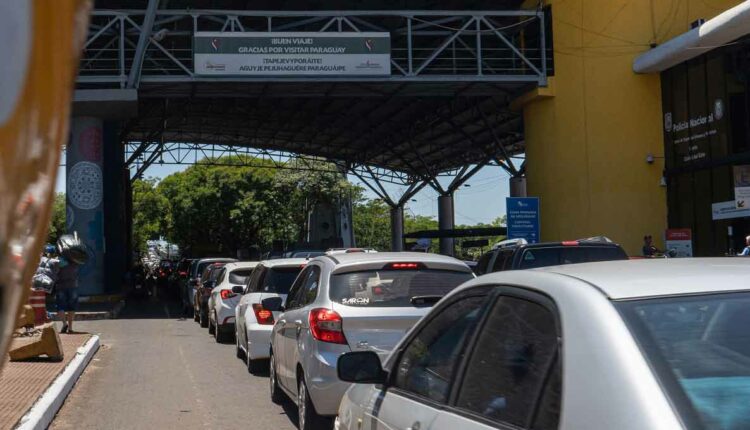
column 152, row 309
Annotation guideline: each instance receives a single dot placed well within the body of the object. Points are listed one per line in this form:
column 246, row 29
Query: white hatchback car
column 349, row 302
column 223, row 300
column 271, row 278
column 626, row 345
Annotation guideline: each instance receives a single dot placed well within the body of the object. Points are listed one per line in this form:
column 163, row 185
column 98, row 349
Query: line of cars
column 587, row 340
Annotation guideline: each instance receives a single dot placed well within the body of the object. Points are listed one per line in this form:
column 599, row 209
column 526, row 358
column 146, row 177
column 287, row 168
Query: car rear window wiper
column 425, row 300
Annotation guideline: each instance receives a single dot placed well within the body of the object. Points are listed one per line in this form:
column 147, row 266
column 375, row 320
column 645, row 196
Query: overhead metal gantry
column 426, row 45
column 442, row 112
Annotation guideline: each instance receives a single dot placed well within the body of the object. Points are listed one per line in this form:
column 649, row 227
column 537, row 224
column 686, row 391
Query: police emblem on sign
column 668, row 122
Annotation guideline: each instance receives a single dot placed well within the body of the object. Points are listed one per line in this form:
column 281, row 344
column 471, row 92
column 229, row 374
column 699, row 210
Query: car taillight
column 183, row 273
column 225, row 294
column 264, row 316
column 570, row 243
column 325, row 326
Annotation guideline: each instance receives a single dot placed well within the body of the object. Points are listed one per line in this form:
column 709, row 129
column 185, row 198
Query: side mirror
column 238, row 289
column 273, row 304
column 361, row 367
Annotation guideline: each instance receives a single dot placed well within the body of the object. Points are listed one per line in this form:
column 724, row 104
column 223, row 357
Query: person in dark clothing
column 649, row 250
column 66, row 293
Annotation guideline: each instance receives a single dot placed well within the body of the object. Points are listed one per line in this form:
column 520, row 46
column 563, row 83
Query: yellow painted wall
column 587, row 144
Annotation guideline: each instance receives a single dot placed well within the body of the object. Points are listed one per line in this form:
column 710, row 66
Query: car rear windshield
column 392, row 288
column 279, row 279
column 699, row 348
column 557, row 255
column 239, row 277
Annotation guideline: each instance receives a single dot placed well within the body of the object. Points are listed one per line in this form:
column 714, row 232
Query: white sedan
column 626, row 345
column 271, row 278
column 223, row 300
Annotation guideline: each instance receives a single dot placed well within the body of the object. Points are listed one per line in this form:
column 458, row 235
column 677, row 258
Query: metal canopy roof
column 445, row 106
column 396, row 127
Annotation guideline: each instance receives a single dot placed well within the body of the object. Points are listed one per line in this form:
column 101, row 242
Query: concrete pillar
column 85, row 192
column 518, row 186
column 116, row 233
column 397, row 228
column 446, row 222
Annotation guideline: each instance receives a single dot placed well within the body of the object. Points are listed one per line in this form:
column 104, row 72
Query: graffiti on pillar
column 90, row 144
column 85, row 185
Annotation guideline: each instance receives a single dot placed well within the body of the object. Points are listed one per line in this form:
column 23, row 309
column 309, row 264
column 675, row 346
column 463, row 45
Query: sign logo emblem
column 668, row 121
column 369, row 44
column 216, row 44
column 718, row 109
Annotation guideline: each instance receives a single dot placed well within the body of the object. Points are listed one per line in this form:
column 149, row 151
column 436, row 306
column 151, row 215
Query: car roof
column 216, row 260
column 276, row 262
column 241, row 265
column 365, row 258
column 657, row 277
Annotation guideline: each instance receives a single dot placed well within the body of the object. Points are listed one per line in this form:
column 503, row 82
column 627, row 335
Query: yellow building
column 590, row 132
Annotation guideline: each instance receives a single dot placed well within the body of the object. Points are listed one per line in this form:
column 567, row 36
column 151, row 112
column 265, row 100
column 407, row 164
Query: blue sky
column 482, row 201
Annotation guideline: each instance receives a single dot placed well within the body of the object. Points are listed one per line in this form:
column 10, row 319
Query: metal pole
column 543, row 43
column 446, row 222
column 479, row 46
column 143, row 40
column 397, row 228
column 408, row 45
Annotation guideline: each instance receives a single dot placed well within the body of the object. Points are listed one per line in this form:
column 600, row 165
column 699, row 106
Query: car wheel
column 276, row 394
column 239, row 353
column 256, row 366
column 308, row 419
column 221, row 336
column 211, row 328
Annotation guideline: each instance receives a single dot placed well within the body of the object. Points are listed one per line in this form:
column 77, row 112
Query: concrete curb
column 99, row 315
column 44, row 410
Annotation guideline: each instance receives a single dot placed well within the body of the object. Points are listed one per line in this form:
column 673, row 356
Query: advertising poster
column 742, row 186
column 523, row 218
column 292, row 54
column 679, row 240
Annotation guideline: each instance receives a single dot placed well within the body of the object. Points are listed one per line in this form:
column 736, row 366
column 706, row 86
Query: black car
column 516, row 254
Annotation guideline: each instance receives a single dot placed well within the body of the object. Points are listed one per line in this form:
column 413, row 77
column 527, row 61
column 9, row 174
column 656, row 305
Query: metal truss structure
column 126, row 48
column 140, row 156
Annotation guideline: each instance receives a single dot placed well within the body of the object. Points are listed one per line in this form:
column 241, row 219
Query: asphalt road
column 157, row 371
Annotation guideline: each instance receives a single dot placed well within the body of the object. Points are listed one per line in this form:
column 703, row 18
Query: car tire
column 220, row 335
column 206, row 322
column 308, row 419
column 277, row 396
column 257, row 366
column 238, row 351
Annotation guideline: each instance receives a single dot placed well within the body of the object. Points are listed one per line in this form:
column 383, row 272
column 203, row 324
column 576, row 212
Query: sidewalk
column 91, row 310
column 22, row 383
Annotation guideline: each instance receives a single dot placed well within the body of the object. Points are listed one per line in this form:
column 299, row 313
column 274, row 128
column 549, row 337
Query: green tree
column 150, row 212
column 372, row 224
column 57, row 225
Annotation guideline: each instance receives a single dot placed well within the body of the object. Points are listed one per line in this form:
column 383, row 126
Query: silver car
column 349, row 302
column 626, row 345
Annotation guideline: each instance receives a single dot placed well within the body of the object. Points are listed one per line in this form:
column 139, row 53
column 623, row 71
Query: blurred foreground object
column 41, row 43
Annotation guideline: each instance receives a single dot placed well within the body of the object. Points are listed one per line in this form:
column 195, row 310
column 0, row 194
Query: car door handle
column 415, row 426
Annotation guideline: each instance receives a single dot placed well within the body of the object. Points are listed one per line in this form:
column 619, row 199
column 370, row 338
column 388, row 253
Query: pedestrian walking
column 746, row 252
column 72, row 255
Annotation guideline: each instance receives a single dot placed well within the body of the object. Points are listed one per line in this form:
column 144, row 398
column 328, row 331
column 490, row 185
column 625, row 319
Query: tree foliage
column 223, row 208
column 150, row 212
column 57, row 222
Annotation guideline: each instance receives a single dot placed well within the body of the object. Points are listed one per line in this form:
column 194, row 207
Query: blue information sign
column 523, row 218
